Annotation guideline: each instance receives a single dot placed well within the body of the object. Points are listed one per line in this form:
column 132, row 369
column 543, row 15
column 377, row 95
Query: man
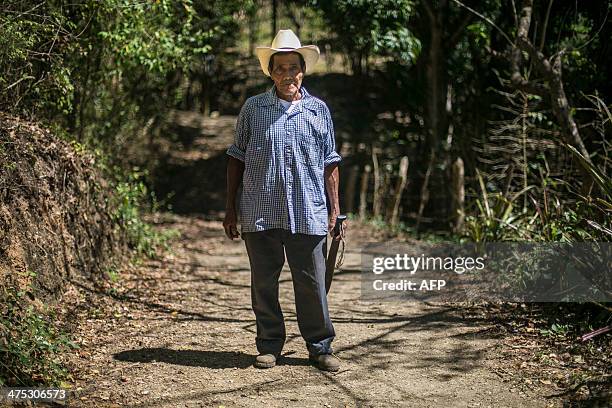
column 284, row 155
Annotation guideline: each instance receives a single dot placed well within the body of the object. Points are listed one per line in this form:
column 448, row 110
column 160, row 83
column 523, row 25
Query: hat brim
column 309, row 52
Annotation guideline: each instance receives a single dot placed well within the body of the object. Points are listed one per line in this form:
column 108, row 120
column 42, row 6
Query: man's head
column 287, row 71
column 287, row 42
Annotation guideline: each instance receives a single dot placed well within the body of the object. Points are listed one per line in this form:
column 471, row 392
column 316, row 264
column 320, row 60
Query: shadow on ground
column 199, row 358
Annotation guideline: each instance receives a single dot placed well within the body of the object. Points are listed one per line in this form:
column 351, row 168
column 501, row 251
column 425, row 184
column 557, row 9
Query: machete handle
column 338, row 227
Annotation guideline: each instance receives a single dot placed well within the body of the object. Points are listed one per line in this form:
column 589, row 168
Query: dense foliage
column 100, row 73
column 102, row 70
column 499, row 85
column 526, row 177
column 107, row 72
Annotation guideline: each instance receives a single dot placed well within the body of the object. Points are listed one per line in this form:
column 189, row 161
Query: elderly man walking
column 284, row 155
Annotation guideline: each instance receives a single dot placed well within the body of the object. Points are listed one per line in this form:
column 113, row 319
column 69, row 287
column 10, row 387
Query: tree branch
column 542, row 63
column 554, row 88
column 488, row 20
column 530, row 87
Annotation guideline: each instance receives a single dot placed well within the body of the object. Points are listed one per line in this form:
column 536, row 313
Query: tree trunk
column 436, row 118
column 552, row 72
column 458, row 195
column 377, row 198
column 399, row 189
column 552, row 88
column 363, row 192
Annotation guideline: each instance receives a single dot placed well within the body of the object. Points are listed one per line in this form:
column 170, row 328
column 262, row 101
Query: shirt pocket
column 310, row 144
column 258, row 154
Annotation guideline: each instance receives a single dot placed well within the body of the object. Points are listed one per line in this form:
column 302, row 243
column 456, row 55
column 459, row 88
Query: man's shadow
column 199, row 358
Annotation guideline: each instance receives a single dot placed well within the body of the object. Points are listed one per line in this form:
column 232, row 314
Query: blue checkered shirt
column 284, row 157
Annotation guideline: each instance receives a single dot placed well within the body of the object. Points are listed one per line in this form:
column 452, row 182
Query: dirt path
column 179, row 332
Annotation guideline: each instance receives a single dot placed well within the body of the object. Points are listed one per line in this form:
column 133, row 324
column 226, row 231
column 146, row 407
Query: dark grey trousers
column 306, row 256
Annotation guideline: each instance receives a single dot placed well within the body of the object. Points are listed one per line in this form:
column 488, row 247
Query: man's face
column 287, row 74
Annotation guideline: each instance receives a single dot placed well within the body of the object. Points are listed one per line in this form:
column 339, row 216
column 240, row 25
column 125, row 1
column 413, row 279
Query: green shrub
column 131, row 200
column 30, row 343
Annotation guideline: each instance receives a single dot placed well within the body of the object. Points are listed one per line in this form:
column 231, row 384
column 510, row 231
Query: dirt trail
column 179, row 332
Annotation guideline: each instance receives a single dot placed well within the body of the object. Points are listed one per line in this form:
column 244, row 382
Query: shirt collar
column 271, row 99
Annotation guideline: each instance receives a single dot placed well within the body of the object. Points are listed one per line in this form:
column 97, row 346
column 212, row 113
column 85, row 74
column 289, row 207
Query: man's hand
column 235, row 169
column 332, row 223
column 230, row 224
column 332, row 178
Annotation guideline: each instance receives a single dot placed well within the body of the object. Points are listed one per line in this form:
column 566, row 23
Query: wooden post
column 399, row 189
column 363, row 192
column 458, row 195
column 385, row 189
column 376, row 204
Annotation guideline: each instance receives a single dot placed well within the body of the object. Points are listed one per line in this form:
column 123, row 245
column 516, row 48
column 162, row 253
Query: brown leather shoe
column 325, row 362
column 265, row 360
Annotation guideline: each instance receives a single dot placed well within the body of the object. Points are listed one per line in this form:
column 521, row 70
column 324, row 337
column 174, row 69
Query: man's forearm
column 332, row 181
column 235, row 170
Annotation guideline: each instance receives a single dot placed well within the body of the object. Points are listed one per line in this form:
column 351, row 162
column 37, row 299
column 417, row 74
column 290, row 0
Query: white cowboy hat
column 287, row 41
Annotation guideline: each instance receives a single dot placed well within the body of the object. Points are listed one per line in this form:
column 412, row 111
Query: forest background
column 465, row 120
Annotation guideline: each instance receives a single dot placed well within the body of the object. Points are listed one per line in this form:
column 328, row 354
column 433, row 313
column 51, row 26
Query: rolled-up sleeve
column 241, row 137
column 331, row 156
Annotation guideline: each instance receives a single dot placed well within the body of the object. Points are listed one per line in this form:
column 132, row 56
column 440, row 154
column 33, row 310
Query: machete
column 330, row 264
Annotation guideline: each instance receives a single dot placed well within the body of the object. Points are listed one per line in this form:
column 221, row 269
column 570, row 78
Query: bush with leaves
column 31, row 344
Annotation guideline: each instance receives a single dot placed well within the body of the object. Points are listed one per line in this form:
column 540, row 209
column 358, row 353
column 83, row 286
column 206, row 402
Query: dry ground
column 179, row 332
